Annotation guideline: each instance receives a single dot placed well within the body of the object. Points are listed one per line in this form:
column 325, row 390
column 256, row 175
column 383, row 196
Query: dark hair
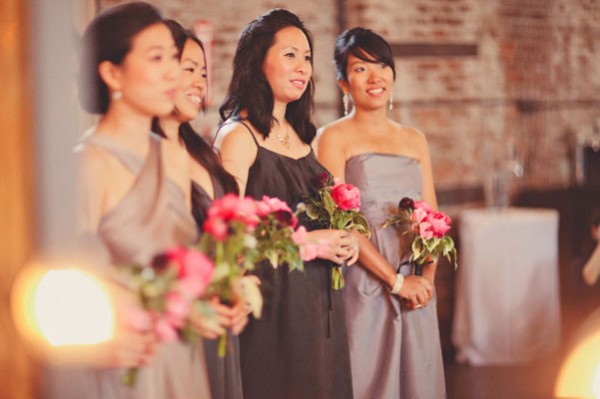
column 108, row 38
column 249, row 89
column 595, row 218
column 363, row 44
column 195, row 145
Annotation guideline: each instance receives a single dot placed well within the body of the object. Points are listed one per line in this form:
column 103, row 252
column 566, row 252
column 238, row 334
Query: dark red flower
column 406, row 203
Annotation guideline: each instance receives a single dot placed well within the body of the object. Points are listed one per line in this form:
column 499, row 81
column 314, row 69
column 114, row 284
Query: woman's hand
column 334, row 245
column 213, row 324
column 239, row 317
column 223, row 317
column 417, row 290
column 130, row 348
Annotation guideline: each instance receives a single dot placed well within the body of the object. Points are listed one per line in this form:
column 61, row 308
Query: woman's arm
column 237, row 151
column 591, row 270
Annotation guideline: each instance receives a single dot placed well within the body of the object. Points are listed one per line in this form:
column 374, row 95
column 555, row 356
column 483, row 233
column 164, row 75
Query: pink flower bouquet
column 241, row 232
column 168, row 289
column 427, row 229
column 337, row 205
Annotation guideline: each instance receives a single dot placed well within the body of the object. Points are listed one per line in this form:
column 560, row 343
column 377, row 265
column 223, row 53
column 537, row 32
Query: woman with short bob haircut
column 386, row 161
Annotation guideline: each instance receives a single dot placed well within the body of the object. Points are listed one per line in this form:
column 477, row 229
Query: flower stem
column 418, row 269
column 337, row 279
column 222, row 350
column 130, row 377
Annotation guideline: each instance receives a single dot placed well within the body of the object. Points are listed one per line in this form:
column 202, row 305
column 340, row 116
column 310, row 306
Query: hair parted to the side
column 249, row 89
column 363, row 44
column 108, row 38
column 196, row 146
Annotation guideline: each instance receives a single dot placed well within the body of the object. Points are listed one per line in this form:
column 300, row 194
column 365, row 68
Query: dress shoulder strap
column 251, row 134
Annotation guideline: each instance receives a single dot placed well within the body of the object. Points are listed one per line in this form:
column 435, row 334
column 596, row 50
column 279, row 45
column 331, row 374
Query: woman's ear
column 111, row 75
column 343, row 85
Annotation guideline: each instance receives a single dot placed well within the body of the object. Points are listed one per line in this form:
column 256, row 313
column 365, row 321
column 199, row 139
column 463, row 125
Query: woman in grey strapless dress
column 392, row 321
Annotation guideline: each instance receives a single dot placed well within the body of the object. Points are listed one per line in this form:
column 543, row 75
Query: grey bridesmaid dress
column 395, row 352
column 151, row 218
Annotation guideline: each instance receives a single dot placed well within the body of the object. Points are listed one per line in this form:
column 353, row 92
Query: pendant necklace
column 284, row 140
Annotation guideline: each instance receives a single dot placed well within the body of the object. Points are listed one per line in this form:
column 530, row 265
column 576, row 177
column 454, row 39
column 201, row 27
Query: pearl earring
column 117, row 95
column 391, row 105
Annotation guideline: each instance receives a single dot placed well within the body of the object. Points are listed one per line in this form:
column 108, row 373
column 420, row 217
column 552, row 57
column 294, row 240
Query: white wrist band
column 398, row 284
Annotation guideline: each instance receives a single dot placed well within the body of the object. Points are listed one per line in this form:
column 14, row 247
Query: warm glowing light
column 58, row 310
column 580, row 374
column 596, row 384
column 72, row 308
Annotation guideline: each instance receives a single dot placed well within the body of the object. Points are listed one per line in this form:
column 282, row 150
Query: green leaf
column 312, row 211
column 273, row 257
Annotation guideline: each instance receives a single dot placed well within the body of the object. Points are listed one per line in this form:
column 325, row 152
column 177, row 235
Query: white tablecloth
column 507, row 296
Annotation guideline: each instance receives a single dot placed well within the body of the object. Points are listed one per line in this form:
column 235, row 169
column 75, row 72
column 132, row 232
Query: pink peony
column 165, row 331
column 346, row 196
column 195, row 274
column 216, row 227
column 440, row 223
column 422, row 205
column 177, row 308
column 425, row 230
column 231, row 207
column 275, row 204
column 418, row 215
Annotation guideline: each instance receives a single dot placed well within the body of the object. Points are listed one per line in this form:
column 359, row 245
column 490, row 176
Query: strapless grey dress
column 395, row 352
column 151, row 218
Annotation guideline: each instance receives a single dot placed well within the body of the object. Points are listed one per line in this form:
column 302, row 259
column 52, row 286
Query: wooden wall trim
column 17, row 371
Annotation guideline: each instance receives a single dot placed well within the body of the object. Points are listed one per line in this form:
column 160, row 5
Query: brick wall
column 532, row 85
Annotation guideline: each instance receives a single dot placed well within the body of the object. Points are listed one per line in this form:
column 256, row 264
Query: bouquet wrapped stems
column 337, row 278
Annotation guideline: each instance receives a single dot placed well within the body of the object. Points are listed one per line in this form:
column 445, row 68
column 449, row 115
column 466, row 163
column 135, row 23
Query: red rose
column 346, row 196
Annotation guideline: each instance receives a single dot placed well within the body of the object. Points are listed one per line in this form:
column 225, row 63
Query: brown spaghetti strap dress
column 298, row 349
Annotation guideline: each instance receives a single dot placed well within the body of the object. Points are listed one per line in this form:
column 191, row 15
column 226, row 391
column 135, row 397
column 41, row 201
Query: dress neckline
column 384, row 154
column 286, row 156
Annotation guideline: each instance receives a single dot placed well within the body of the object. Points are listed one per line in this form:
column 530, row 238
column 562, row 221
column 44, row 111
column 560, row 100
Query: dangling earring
column 117, row 95
column 391, row 105
column 346, row 101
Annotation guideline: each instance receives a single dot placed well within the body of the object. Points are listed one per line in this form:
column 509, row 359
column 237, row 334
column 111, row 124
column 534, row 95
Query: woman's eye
column 359, row 69
column 290, row 55
column 308, row 58
column 190, row 70
column 156, row 58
